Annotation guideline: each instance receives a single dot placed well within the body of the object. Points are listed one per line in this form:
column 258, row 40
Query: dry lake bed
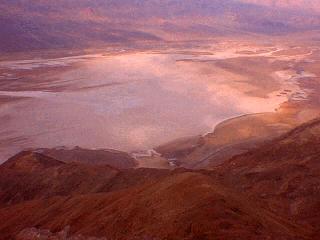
column 132, row 100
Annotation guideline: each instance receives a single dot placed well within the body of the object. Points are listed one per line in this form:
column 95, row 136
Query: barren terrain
column 134, row 100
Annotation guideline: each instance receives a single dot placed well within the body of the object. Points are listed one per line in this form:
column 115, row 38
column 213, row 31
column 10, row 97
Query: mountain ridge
column 46, row 25
column 267, row 193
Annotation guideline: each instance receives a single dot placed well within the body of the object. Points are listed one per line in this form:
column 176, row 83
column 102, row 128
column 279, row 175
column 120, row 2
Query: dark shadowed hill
column 30, row 175
column 113, row 158
column 271, row 192
column 184, row 205
column 285, row 174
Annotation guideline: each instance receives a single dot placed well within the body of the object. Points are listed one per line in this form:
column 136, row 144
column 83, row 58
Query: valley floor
column 138, row 99
column 232, row 129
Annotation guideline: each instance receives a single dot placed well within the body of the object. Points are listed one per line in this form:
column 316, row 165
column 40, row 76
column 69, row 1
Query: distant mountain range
column 33, row 25
column 307, row 5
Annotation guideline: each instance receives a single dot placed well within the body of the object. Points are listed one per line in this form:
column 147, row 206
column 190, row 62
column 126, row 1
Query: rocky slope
column 113, row 158
column 31, row 175
column 184, row 205
column 271, row 192
column 232, row 137
column 284, row 173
